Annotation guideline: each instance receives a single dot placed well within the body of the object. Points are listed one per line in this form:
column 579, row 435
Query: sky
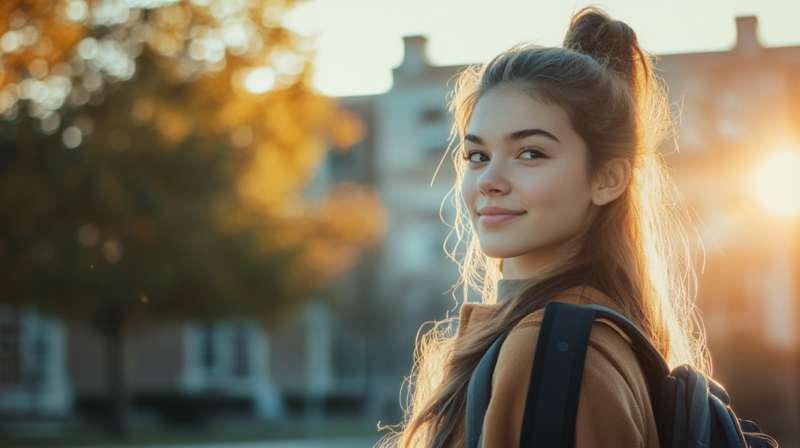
column 359, row 41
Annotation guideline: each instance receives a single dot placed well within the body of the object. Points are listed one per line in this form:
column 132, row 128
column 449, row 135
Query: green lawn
column 231, row 432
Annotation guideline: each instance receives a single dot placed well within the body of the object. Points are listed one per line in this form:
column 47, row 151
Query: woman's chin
column 501, row 252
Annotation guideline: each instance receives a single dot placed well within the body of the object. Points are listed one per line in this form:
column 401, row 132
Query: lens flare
column 778, row 182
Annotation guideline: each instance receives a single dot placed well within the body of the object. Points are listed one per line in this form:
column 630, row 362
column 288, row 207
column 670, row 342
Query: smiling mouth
column 496, row 219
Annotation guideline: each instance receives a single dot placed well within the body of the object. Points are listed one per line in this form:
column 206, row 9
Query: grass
column 218, row 433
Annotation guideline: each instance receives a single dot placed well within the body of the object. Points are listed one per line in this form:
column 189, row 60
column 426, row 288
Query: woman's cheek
column 544, row 190
column 562, row 199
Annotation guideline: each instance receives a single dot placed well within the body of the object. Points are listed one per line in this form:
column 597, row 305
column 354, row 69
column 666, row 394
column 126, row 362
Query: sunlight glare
column 778, row 182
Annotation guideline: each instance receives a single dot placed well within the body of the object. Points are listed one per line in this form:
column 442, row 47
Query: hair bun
column 593, row 32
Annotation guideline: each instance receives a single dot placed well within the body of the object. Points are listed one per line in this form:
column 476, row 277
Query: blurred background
column 218, row 222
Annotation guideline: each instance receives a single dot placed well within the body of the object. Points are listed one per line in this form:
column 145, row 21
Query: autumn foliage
column 162, row 149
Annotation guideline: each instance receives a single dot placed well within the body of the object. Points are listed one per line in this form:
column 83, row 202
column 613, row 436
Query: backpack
column 690, row 409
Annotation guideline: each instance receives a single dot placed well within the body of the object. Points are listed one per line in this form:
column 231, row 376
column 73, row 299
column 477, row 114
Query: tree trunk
column 114, row 334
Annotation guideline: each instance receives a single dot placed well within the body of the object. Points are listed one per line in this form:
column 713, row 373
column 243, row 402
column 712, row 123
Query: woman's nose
column 493, row 180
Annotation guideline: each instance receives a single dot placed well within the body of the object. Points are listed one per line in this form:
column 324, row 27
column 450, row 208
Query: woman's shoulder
column 609, row 339
column 609, row 351
column 613, row 379
column 579, row 295
column 473, row 314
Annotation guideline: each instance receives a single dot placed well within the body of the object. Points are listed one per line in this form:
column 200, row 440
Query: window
column 225, row 355
column 434, row 134
column 32, row 374
column 207, row 335
column 224, row 350
column 240, row 358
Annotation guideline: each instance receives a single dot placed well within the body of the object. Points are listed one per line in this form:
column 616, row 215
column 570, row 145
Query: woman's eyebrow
column 518, row 135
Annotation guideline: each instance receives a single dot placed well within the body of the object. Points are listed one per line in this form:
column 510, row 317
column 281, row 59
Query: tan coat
column 614, row 406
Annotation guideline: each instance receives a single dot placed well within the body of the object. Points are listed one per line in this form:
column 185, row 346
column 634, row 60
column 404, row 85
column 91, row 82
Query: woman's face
column 526, row 183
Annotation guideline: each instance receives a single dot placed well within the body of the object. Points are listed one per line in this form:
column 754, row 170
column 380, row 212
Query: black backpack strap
column 655, row 370
column 552, row 401
column 479, row 393
column 653, row 364
column 681, row 399
column 688, row 407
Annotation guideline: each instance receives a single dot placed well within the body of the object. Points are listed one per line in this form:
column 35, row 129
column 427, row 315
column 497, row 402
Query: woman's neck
column 510, row 288
column 538, row 263
column 527, row 266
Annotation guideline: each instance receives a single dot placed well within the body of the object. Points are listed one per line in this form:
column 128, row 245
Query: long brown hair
column 635, row 251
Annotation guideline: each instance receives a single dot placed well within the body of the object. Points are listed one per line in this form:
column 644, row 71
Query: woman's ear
column 611, row 181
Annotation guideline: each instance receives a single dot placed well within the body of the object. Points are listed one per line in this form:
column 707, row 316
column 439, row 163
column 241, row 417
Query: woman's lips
column 491, row 220
column 494, row 215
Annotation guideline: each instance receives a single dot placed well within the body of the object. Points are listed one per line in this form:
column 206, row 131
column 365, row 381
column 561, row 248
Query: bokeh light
column 72, row 137
column 77, row 10
column 259, row 80
column 242, row 136
column 51, row 123
column 88, row 234
column 112, row 251
column 778, row 182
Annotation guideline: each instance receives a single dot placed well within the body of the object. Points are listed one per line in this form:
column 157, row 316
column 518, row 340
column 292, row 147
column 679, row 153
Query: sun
column 778, row 182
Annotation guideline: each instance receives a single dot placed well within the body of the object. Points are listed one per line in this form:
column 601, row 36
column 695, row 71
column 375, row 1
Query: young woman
column 562, row 196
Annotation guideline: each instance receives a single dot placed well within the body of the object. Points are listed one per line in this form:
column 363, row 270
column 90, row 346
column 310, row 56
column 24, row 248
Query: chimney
column 747, row 35
column 415, row 60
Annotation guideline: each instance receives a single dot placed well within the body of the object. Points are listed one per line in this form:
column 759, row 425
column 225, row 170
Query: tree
column 154, row 159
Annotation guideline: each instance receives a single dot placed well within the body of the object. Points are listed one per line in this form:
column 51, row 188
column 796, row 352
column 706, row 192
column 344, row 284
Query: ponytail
column 613, row 43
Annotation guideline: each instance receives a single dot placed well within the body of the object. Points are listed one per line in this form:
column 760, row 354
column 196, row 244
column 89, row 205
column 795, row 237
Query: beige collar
column 476, row 313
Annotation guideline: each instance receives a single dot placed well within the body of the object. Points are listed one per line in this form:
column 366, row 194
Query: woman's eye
column 531, row 154
column 476, row 157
